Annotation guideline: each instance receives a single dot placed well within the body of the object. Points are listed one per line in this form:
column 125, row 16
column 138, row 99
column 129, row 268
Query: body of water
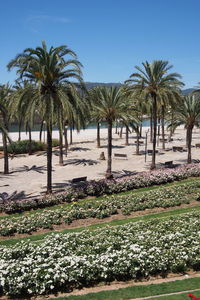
column 15, row 128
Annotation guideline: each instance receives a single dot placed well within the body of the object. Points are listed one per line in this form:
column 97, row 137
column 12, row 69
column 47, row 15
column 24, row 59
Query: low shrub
column 103, row 187
column 163, row 197
column 55, row 142
column 21, row 147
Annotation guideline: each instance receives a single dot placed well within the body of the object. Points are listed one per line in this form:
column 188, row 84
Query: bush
column 21, row 147
column 55, row 142
column 102, row 187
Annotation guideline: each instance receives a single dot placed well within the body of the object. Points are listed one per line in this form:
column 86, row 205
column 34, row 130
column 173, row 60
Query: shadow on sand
column 84, row 162
column 79, row 149
column 38, row 169
column 5, row 197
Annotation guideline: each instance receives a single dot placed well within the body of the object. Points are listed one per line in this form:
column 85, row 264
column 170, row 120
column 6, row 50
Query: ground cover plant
column 102, row 187
column 132, row 251
column 162, row 197
column 140, row 291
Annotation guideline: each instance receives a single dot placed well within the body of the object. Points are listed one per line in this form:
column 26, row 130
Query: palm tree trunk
column 41, row 128
column 158, row 130
column 141, row 127
column 151, row 126
column 70, row 141
column 127, row 131
column 163, row 127
column 49, row 159
column 154, row 114
column 109, row 165
column 66, row 140
column 158, row 125
column 60, row 146
column 19, row 131
column 171, row 129
column 121, row 131
column 189, row 142
column 5, row 153
column 98, row 135
column 116, row 127
column 30, row 141
column 137, row 141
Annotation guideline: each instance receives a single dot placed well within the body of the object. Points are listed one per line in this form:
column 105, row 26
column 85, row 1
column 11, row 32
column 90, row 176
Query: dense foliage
column 22, row 147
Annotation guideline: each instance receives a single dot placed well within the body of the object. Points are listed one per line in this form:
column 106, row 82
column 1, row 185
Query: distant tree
column 5, row 93
column 187, row 114
column 110, row 105
column 154, row 80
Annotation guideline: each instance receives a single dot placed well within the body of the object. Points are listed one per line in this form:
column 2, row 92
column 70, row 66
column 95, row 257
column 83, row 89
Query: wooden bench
column 197, row 145
column 175, row 148
column 120, row 155
column 79, row 179
column 140, row 142
column 168, row 164
column 150, row 152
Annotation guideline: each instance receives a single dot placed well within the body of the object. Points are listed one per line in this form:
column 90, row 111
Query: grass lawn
column 140, row 291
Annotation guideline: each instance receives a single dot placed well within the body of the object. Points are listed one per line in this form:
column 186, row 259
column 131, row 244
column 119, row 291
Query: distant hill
column 187, row 91
column 90, row 85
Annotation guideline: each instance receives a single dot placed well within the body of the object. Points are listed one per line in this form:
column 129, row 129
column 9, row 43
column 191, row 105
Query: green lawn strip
column 40, row 237
column 182, row 296
column 79, row 202
column 139, row 291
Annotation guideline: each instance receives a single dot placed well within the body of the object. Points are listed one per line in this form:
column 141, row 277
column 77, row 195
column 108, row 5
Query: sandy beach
column 28, row 173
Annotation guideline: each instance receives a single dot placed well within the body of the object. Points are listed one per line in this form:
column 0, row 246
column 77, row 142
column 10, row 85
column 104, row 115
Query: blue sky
column 110, row 37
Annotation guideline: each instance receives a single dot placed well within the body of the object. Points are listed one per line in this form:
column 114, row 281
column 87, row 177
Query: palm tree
column 50, row 71
column 153, row 80
column 23, row 91
column 5, row 92
column 75, row 112
column 110, row 105
column 187, row 114
column 93, row 97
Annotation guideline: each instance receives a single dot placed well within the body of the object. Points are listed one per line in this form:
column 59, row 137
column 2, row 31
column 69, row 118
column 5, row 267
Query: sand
column 28, row 173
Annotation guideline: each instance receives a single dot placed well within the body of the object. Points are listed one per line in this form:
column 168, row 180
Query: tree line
column 50, row 87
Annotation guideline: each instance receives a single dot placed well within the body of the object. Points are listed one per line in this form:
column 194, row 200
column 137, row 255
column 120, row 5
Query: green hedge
column 21, row 147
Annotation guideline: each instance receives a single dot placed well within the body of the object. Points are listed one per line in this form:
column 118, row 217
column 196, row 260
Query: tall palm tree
column 110, row 105
column 154, row 80
column 23, row 91
column 5, row 92
column 50, row 71
column 92, row 96
column 75, row 112
column 187, row 114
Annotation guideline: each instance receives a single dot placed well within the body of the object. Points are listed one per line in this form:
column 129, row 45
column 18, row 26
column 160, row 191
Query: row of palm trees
column 50, row 88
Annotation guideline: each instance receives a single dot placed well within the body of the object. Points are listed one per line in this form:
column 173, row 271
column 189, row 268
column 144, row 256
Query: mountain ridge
column 90, row 85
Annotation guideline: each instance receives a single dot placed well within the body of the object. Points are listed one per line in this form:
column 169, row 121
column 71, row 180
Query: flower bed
column 131, row 251
column 101, row 187
column 162, row 197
